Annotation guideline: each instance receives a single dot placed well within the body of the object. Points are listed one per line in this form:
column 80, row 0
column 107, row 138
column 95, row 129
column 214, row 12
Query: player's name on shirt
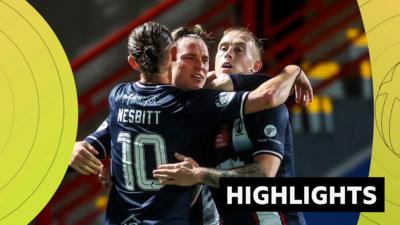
column 136, row 116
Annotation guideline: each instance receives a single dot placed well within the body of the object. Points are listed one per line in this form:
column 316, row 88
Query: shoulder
column 201, row 93
column 117, row 91
column 118, row 88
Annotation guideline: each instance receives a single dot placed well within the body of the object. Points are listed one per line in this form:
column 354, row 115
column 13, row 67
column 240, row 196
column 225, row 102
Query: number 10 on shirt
column 138, row 162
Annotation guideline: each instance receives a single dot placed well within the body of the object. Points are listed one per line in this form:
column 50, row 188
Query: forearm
column 211, row 177
column 273, row 92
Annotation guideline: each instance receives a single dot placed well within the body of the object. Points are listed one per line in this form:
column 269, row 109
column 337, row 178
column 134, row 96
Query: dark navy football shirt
column 265, row 132
column 147, row 125
column 244, row 149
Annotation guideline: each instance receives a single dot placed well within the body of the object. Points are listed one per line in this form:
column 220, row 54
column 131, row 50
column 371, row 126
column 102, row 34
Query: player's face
column 237, row 53
column 191, row 65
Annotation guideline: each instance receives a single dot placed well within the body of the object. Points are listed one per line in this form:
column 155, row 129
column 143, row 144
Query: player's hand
column 187, row 162
column 105, row 177
column 221, row 82
column 83, row 159
column 303, row 89
column 211, row 76
column 181, row 173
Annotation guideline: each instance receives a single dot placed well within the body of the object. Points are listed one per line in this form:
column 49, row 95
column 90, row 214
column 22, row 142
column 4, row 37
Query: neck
column 160, row 78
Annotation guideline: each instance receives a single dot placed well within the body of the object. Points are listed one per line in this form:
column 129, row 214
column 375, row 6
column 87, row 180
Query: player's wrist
column 198, row 173
column 299, row 74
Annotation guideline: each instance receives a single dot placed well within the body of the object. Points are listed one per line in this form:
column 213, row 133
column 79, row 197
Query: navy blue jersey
column 248, row 82
column 101, row 140
column 265, row 132
column 147, row 125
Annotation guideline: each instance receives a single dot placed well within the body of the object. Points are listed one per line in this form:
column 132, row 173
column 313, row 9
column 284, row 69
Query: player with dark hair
column 150, row 120
column 260, row 145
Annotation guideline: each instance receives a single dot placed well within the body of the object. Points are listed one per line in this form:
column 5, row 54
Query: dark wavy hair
column 195, row 31
column 148, row 44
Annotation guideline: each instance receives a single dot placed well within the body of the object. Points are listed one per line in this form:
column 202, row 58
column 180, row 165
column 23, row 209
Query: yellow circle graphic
column 381, row 20
column 38, row 113
column 387, row 110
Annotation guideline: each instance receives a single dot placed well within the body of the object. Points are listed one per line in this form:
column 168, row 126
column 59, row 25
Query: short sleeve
column 268, row 131
column 230, row 105
column 113, row 95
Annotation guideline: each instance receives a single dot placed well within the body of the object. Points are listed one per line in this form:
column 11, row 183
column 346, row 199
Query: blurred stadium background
column 332, row 136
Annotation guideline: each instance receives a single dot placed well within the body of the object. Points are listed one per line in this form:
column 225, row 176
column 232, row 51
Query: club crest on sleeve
column 224, row 98
column 270, row 130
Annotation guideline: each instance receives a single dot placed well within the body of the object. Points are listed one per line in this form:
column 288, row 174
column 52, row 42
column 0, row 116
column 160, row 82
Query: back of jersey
column 148, row 124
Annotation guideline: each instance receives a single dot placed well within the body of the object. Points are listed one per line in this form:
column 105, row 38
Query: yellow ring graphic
column 39, row 112
column 381, row 20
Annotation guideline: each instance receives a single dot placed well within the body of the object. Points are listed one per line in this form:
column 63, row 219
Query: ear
column 174, row 52
column 257, row 66
column 133, row 63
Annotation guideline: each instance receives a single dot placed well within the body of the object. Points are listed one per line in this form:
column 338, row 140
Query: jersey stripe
column 151, row 86
column 268, row 152
column 256, row 220
column 98, row 142
column 283, row 218
column 242, row 104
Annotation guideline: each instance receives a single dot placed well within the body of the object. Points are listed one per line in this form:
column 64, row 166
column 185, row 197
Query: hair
column 195, row 31
column 257, row 41
column 148, row 44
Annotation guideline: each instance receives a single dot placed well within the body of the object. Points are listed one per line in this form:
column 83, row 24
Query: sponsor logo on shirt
column 270, row 130
column 224, row 98
column 222, row 139
column 139, row 99
column 240, row 139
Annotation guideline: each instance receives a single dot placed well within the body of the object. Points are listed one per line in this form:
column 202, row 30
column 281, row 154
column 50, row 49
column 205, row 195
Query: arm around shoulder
column 273, row 92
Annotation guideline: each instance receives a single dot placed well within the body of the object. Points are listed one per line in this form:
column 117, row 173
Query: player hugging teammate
column 178, row 135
